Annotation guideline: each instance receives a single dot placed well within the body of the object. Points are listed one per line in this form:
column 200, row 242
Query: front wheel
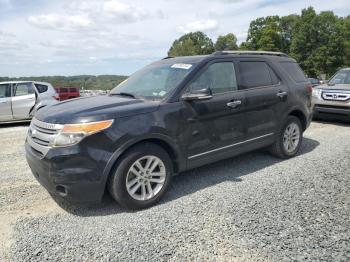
column 141, row 177
column 289, row 139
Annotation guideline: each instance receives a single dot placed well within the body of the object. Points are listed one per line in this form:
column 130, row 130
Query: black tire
column 278, row 149
column 117, row 181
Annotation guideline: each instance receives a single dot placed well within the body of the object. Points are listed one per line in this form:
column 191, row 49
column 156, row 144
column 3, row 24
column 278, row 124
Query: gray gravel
column 253, row 207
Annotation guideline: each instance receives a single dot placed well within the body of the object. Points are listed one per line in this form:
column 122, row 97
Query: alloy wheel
column 145, row 178
column 291, row 137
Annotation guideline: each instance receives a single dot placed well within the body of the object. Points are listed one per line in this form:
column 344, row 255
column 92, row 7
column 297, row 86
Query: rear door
column 5, row 102
column 23, row 100
column 266, row 97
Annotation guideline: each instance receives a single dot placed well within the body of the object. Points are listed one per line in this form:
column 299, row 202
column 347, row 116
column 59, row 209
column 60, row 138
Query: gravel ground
column 250, row 208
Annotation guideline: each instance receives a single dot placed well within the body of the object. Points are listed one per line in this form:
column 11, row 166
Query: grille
column 336, row 96
column 41, row 135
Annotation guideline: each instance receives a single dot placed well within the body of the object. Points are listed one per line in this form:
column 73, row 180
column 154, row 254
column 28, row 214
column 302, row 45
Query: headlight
column 316, row 92
column 72, row 134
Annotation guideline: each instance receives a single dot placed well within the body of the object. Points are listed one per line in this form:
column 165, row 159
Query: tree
column 318, row 42
column 226, row 42
column 196, row 43
column 264, row 34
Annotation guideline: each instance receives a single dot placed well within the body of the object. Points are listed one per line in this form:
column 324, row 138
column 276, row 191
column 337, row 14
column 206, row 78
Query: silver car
column 332, row 100
column 19, row 100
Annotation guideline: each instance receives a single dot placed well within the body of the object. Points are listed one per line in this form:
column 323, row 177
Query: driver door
column 23, row 100
column 215, row 125
column 5, row 102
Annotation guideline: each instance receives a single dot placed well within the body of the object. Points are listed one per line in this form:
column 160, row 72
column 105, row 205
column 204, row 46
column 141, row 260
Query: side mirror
column 202, row 94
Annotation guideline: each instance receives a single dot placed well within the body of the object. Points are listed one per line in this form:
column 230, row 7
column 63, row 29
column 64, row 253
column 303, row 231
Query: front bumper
column 72, row 175
column 331, row 112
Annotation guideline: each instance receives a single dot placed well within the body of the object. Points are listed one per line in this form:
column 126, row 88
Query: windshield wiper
column 124, row 94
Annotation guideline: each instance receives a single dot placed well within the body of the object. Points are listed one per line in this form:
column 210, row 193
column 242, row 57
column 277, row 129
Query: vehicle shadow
column 337, row 122
column 189, row 182
column 15, row 124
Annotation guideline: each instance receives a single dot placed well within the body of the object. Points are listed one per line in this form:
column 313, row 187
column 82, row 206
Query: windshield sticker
column 182, row 66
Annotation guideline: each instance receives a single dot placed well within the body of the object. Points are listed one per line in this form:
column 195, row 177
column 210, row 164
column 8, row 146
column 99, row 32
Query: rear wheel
column 289, row 139
column 141, row 177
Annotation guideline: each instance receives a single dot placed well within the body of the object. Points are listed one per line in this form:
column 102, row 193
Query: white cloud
column 61, row 22
column 124, row 12
column 200, row 25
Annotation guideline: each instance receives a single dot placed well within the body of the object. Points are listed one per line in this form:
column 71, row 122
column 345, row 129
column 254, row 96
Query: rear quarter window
column 41, row 88
column 294, row 71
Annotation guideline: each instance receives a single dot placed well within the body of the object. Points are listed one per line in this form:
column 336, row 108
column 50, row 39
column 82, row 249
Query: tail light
column 309, row 88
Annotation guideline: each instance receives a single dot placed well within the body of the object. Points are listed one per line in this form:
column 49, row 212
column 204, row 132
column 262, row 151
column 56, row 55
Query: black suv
column 173, row 115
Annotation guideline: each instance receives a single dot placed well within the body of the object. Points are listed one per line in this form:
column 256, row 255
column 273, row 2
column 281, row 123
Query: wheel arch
column 160, row 140
column 301, row 116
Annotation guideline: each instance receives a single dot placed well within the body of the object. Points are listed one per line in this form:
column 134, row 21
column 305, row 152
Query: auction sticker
column 182, row 66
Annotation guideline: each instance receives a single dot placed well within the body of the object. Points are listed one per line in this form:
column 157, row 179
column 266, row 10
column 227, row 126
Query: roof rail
column 167, row 57
column 250, row 53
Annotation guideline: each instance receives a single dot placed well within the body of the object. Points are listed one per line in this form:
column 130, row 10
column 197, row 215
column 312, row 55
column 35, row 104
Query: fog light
column 61, row 190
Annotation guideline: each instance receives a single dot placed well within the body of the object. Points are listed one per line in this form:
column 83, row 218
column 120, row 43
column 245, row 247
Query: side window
column 41, row 88
column 294, row 71
column 274, row 78
column 5, row 90
column 23, row 89
column 219, row 77
column 254, row 74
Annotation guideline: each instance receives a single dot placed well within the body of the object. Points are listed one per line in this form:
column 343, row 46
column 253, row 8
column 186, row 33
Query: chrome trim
column 236, row 144
column 42, row 149
column 41, row 135
column 46, row 125
column 335, row 96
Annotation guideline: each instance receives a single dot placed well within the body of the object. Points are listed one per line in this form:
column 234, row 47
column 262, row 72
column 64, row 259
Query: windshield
column 342, row 77
column 154, row 81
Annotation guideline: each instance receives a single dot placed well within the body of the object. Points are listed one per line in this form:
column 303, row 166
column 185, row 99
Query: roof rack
column 167, row 57
column 250, row 53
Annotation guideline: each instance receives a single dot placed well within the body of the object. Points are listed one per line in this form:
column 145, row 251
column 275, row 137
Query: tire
column 279, row 148
column 122, row 174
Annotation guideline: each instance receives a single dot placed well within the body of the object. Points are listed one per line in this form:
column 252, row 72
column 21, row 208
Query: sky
column 73, row 37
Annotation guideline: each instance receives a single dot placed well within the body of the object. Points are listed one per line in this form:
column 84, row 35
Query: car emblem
column 335, row 96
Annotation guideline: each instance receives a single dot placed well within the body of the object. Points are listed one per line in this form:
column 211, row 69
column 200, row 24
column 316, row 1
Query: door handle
column 281, row 94
column 234, row 104
column 3, row 102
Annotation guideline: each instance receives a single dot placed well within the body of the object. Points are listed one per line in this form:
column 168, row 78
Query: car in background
column 332, row 100
column 65, row 93
column 314, row 81
column 19, row 100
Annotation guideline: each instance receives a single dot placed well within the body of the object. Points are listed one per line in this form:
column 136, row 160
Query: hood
column 95, row 108
column 334, row 87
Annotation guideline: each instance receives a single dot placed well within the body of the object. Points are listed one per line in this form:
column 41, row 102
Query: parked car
column 65, row 93
column 332, row 100
column 173, row 115
column 19, row 100
column 314, row 81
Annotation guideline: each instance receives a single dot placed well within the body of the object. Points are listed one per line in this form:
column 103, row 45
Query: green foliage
column 226, row 42
column 196, row 43
column 318, row 43
column 102, row 82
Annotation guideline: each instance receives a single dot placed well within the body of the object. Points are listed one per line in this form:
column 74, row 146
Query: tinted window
column 274, row 78
column 73, row 89
column 5, row 90
column 219, row 77
column 254, row 74
column 41, row 88
column 294, row 71
column 63, row 90
column 24, row 89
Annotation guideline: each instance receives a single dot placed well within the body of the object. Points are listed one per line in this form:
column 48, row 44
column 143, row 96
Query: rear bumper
column 74, row 178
